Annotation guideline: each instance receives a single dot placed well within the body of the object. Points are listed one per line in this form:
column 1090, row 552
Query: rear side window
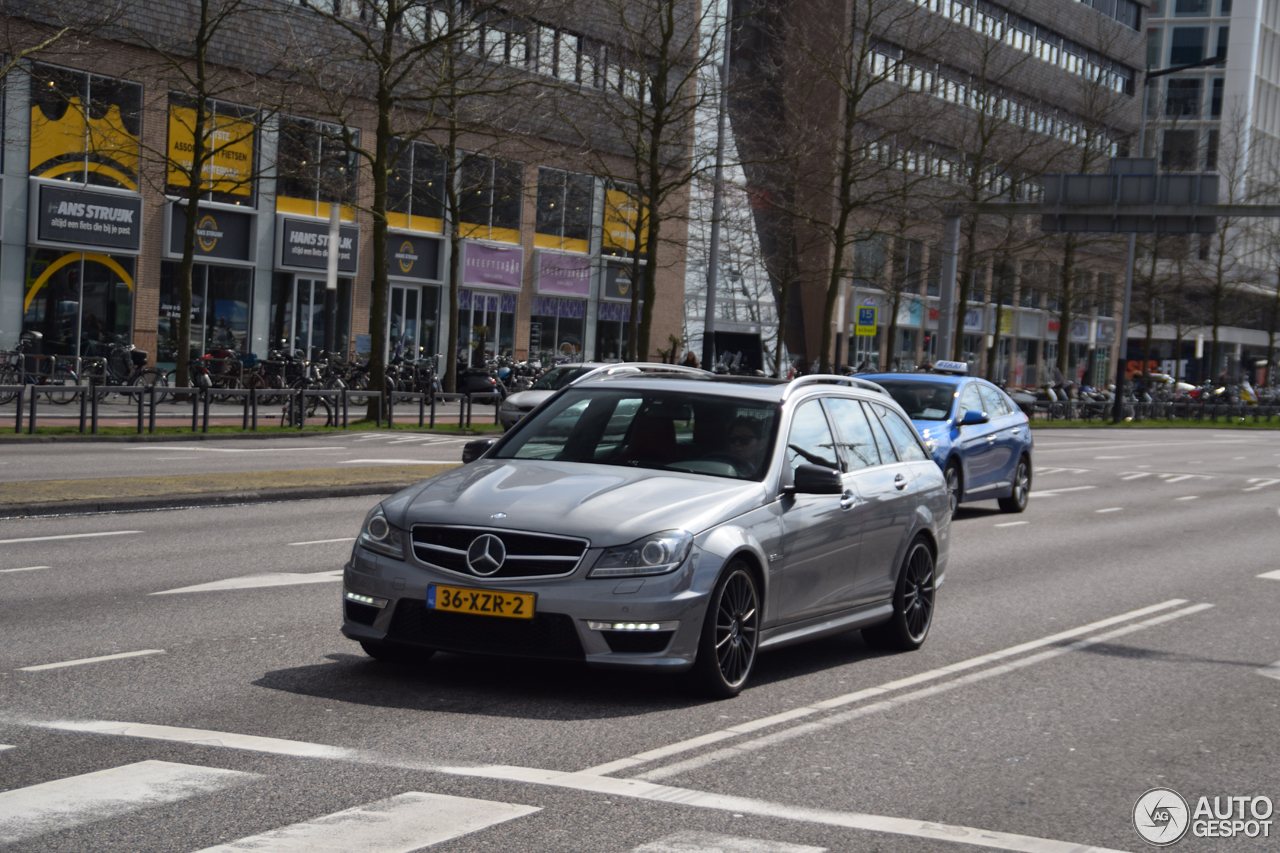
column 970, row 401
column 811, row 442
column 882, row 439
column 994, row 401
column 855, row 433
column 902, row 434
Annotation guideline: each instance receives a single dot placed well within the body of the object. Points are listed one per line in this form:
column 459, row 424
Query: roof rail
column 830, row 379
column 628, row 368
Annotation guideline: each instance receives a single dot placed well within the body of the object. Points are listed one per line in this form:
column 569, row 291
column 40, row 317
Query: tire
column 388, row 653
column 1017, row 502
column 9, row 375
column 955, row 485
column 149, row 377
column 316, row 408
column 730, row 632
column 913, row 603
column 62, row 386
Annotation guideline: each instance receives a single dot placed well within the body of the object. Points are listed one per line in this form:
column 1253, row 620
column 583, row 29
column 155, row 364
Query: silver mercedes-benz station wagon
column 666, row 519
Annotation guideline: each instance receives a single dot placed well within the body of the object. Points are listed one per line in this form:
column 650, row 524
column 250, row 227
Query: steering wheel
column 740, row 465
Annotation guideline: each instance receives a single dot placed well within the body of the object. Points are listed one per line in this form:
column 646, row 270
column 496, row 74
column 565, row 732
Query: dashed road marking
column 708, row 842
column 389, row 462
column 1271, row 576
column 24, row 569
column 1271, row 670
column 202, row 737
column 323, row 541
column 1138, row 475
column 1260, row 483
column 83, row 661
column 1052, row 493
column 260, row 581
column 1187, row 498
column 1110, row 509
column 1011, row 524
column 69, row 536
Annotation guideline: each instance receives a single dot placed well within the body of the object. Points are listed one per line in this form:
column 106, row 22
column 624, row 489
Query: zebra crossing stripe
column 65, row 803
column 403, row 823
column 709, row 842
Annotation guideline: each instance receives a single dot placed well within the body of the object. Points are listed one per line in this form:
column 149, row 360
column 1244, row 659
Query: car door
column 977, row 450
column 819, row 547
column 890, row 490
column 1006, row 424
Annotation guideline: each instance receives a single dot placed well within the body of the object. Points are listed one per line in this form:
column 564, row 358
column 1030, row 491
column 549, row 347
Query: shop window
column 415, row 187
column 491, row 198
column 1183, row 98
column 556, row 329
column 1186, row 45
column 564, row 210
column 81, row 302
column 84, row 128
column 297, row 318
column 220, row 300
column 230, row 165
column 613, row 332
column 486, row 326
column 315, row 167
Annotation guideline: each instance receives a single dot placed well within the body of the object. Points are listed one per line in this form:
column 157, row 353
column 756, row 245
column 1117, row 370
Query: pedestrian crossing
column 403, row 823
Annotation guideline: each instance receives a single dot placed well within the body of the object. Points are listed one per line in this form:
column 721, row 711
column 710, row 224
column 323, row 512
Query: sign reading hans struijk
column 413, row 257
column 85, row 218
column 305, row 244
column 618, row 284
column 222, row 234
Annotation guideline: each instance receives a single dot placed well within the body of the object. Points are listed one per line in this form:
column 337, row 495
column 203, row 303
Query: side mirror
column 817, row 480
column 473, row 450
column 972, row 418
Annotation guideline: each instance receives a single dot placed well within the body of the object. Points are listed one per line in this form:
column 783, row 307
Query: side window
column 902, row 434
column 994, row 401
column 882, row 439
column 855, row 433
column 811, row 442
column 970, row 401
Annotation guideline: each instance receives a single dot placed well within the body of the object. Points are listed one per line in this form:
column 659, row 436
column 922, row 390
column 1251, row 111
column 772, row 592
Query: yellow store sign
column 621, row 218
column 228, row 169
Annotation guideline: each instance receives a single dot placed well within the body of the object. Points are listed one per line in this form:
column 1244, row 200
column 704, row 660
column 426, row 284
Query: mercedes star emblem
column 486, row 555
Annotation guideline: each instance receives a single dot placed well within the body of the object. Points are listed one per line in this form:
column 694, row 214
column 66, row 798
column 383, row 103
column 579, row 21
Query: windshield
column 554, row 380
column 698, row 434
column 922, row 401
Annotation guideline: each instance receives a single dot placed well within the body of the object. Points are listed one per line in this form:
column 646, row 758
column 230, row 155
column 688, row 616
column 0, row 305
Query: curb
column 160, row 502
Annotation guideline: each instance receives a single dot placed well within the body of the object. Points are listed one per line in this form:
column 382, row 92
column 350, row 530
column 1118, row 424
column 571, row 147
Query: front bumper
column 576, row 617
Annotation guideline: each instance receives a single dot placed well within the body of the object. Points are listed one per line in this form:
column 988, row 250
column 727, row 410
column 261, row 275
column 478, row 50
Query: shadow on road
column 536, row 689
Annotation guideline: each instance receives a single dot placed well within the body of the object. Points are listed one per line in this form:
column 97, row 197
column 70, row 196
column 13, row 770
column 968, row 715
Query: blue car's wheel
column 955, row 483
column 1017, row 500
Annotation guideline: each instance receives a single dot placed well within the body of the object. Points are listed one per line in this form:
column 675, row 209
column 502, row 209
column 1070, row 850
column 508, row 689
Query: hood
column 606, row 504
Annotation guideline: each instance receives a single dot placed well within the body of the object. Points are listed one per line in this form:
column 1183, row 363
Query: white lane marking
column 1135, row 476
column 1187, row 498
column 1051, row 493
column 1178, row 478
column 4, row 746
column 1271, row 670
column 239, row 449
column 173, row 458
column 1136, row 456
column 389, row 461
column 65, row 803
column 746, row 747
column 1262, row 483
column 1234, row 458
column 1110, row 509
column 1040, row 472
column 1271, row 576
column 399, row 824
column 25, row 569
column 259, row 582
column 710, row 842
column 69, row 536
column 743, row 805
column 869, row 692
column 202, row 737
column 1011, row 524
column 1065, row 448
column 83, row 661
column 324, row 541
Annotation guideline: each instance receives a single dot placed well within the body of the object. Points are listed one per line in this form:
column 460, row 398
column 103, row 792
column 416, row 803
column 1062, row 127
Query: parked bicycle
column 122, row 364
column 20, row 367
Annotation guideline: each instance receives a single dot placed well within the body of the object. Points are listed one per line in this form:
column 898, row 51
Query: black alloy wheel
column 913, row 602
column 730, row 633
column 953, row 485
column 1017, row 501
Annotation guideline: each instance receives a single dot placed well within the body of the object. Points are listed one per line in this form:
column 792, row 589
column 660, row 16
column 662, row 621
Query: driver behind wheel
column 746, row 441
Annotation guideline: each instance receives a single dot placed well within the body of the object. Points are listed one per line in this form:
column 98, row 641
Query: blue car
column 980, row 439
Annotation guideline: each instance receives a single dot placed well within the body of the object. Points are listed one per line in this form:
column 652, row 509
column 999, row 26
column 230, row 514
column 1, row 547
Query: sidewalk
column 123, row 494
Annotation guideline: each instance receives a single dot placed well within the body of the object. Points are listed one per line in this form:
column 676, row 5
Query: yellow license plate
column 480, row 602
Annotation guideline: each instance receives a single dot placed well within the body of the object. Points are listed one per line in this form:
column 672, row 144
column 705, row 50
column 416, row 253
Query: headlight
column 380, row 535
column 653, row 555
column 508, row 406
column 931, row 444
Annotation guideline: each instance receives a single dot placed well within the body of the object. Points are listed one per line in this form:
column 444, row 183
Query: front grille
column 361, row 613
column 637, row 642
column 528, row 554
column 546, row 635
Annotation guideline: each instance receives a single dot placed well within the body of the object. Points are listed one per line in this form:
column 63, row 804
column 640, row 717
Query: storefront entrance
column 486, row 326
column 411, row 316
column 298, row 317
column 81, row 302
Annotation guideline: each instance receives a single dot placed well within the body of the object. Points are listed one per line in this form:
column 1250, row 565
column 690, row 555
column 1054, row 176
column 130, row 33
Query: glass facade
column 81, row 302
column 556, row 328
column 486, row 326
column 298, row 318
column 220, row 300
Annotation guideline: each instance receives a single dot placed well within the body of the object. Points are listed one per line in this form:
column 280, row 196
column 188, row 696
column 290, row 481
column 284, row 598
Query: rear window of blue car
column 922, row 401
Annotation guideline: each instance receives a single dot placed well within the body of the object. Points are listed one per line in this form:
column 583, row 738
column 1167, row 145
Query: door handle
column 899, row 482
column 991, row 439
column 848, row 500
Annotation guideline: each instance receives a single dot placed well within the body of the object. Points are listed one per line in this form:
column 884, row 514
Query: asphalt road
column 1112, row 639
column 92, row 460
